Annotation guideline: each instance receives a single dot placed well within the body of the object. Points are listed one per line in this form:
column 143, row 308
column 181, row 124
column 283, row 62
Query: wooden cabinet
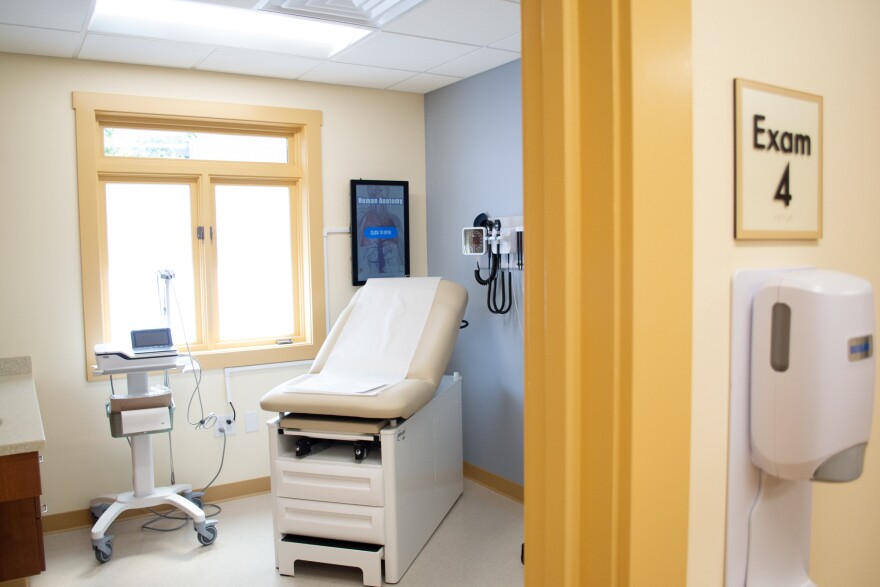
column 21, row 528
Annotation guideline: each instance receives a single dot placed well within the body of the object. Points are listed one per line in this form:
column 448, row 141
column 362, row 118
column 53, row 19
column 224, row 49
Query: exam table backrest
column 402, row 400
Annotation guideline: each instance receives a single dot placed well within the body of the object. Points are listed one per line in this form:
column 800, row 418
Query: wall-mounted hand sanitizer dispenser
column 812, row 375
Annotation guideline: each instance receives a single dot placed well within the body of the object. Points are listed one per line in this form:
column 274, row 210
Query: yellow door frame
column 607, row 143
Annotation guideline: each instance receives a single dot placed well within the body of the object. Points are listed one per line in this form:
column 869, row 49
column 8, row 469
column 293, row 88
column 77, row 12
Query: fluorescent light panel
column 210, row 24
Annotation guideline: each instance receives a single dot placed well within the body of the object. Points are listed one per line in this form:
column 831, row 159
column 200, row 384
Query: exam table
column 366, row 450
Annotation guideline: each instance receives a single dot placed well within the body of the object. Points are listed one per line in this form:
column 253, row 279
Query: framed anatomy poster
column 778, row 163
column 379, row 229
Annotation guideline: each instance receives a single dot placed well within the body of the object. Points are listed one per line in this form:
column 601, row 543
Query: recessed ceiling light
column 210, row 24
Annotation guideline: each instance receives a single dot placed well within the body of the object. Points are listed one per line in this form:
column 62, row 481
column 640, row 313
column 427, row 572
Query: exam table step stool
column 366, row 557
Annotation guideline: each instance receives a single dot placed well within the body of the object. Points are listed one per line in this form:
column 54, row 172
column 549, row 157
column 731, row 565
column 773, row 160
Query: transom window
column 209, row 146
column 228, row 199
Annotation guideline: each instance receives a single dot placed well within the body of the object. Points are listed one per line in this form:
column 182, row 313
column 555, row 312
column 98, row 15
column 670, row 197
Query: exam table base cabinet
column 21, row 527
column 330, row 508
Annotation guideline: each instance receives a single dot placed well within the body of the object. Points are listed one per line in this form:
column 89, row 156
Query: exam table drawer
column 357, row 484
column 331, row 520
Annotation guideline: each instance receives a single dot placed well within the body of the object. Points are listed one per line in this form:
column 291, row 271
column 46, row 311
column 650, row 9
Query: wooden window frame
column 302, row 173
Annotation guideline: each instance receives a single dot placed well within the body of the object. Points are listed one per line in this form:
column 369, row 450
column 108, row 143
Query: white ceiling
column 433, row 44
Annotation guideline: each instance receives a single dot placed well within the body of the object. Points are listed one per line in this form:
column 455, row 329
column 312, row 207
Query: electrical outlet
column 224, row 423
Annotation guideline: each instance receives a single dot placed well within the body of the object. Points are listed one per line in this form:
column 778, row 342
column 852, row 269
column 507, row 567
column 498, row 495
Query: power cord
column 178, row 516
column 205, row 421
column 751, row 512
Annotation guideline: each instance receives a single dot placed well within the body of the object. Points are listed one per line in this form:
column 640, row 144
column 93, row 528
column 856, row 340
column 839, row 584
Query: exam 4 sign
column 778, row 163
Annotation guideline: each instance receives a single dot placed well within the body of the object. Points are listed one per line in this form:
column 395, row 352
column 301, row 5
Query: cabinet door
column 21, row 527
column 19, row 476
column 21, row 535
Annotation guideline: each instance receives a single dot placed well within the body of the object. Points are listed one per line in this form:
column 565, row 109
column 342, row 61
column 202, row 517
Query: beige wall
column 830, row 49
column 366, row 133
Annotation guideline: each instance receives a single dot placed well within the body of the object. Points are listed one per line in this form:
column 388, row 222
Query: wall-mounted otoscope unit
column 802, row 392
column 502, row 240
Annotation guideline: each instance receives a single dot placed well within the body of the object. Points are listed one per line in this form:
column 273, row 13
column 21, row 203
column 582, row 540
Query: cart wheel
column 101, row 555
column 211, row 532
column 197, row 501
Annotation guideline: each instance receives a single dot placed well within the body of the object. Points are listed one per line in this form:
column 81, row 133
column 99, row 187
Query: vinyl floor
column 477, row 544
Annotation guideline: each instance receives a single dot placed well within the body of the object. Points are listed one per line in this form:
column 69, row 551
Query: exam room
column 811, row 46
column 365, row 133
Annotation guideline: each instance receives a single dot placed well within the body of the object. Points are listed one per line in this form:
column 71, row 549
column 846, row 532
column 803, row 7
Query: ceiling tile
column 511, row 43
column 477, row 22
column 257, row 63
column 476, row 62
column 432, row 45
column 355, row 75
column 424, row 83
column 142, row 51
column 22, row 39
column 402, row 52
column 65, row 15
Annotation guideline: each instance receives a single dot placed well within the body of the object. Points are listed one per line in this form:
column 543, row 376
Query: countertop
column 21, row 427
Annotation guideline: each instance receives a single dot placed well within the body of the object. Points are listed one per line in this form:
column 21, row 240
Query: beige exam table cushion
column 402, row 399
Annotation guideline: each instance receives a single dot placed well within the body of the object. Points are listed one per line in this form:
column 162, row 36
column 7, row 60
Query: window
column 228, row 198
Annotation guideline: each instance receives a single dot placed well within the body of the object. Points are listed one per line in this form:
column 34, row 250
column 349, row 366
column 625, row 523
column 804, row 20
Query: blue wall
column 473, row 136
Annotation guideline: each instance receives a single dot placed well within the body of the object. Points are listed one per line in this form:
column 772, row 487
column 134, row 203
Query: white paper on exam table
column 383, row 329
column 377, row 344
column 335, row 384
